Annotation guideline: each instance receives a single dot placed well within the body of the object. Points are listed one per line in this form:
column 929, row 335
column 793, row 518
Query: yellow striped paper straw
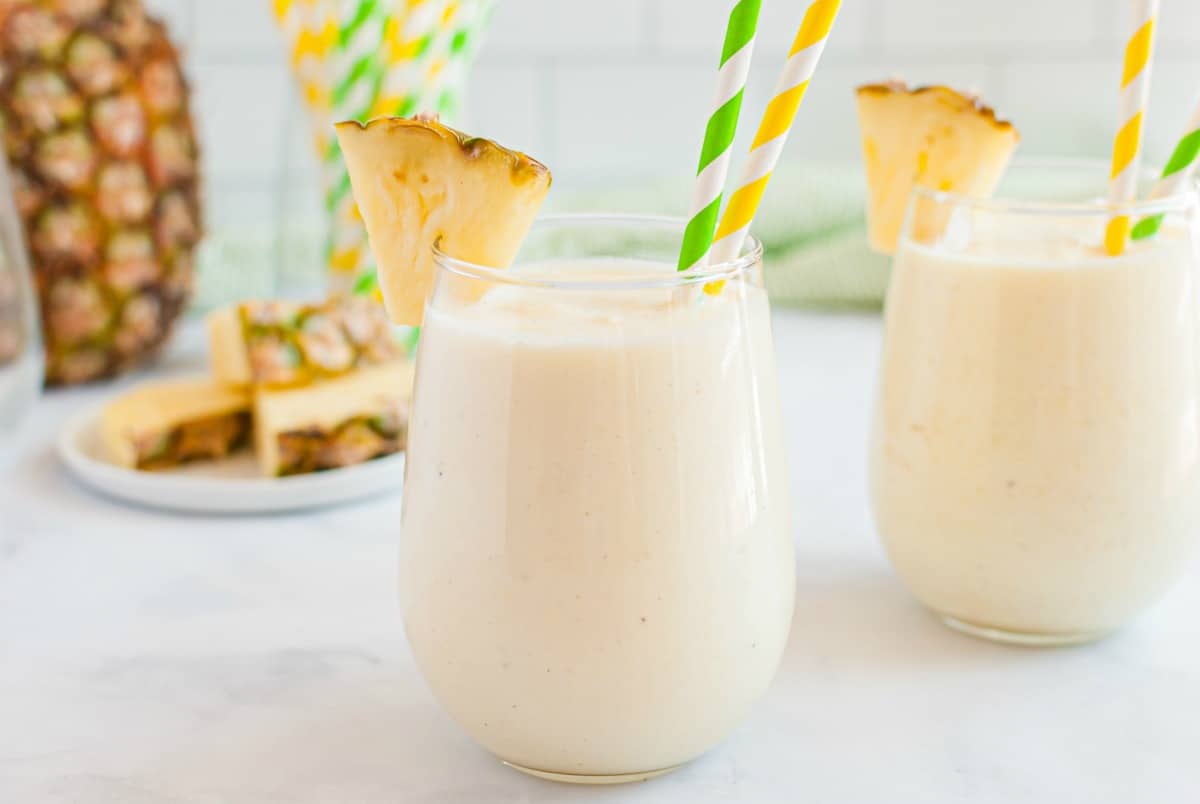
column 773, row 131
column 311, row 33
column 1127, row 144
column 360, row 59
column 357, row 72
column 395, row 57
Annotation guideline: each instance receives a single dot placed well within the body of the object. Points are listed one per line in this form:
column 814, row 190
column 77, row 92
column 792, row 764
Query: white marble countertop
column 150, row 658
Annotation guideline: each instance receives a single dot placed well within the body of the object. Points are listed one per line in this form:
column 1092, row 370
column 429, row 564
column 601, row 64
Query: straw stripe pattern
column 361, row 59
column 719, row 133
column 773, row 131
column 1127, row 144
column 1179, row 169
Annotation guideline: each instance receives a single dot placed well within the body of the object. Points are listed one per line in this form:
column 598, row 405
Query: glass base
column 1032, row 640
column 587, row 778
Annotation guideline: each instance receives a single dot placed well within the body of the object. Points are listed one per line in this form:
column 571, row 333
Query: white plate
column 232, row 486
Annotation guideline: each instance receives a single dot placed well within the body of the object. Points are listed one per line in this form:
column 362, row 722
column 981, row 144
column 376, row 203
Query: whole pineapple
column 103, row 152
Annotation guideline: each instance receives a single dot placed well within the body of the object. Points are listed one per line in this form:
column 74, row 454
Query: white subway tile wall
column 611, row 90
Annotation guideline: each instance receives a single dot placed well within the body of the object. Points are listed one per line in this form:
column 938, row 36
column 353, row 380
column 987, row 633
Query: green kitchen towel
column 812, row 224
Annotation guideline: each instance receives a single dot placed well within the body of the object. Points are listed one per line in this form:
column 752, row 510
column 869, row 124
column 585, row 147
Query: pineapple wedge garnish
column 417, row 183
column 932, row 136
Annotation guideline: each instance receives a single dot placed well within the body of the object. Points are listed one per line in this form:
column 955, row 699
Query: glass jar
column 597, row 566
column 1035, row 460
column 21, row 360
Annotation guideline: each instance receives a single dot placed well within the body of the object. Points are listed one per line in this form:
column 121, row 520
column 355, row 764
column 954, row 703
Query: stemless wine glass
column 20, row 342
column 1035, row 460
column 597, row 567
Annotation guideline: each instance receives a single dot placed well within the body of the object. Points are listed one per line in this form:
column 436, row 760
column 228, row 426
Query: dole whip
column 597, row 571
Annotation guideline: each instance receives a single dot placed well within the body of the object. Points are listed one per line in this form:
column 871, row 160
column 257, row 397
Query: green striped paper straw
column 1180, row 167
column 458, row 45
column 719, row 134
column 372, row 80
column 357, row 75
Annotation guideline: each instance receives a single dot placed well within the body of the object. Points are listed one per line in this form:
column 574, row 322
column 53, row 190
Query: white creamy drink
column 1036, row 460
column 597, row 567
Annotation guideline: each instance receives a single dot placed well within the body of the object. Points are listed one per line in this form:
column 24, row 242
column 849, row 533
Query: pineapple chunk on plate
column 931, row 136
column 333, row 423
column 164, row 425
column 232, row 485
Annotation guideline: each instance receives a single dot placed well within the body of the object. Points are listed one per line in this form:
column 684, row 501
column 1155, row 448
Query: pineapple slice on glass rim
column 933, row 137
column 418, row 182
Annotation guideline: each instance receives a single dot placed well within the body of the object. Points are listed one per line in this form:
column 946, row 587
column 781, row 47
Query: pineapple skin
column 284, row 343
column 418, row 182
column 98, row 132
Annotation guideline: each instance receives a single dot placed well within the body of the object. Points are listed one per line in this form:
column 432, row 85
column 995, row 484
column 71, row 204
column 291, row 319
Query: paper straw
column 1179, row 170
column 361, row 59
column 402, row 58
column 310, row 28
column 719, row 134
column 407, row 43
column 358, row 65
column 452, row 50
column 773, row 130
column 1127, row 144
column 357, row 72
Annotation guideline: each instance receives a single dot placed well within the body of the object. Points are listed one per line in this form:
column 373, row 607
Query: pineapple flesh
column 417, row 183
column 98, row 132
column 933, row 137
column 162, row 425
column 335, row 422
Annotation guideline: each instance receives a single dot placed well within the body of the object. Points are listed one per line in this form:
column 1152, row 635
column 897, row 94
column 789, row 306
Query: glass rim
column 752, row 251
column 1186, row 197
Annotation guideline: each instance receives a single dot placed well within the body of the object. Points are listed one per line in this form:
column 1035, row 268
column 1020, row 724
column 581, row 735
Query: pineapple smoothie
column 1036, row 462
column 596, row 561
column 596, row 568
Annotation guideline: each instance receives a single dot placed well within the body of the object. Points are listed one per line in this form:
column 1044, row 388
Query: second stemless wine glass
column 597, row 566
column 1036, row 458
column 20, row 342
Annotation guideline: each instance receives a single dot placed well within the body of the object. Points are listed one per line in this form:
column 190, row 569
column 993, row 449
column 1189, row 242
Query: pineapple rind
column 282, row 344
